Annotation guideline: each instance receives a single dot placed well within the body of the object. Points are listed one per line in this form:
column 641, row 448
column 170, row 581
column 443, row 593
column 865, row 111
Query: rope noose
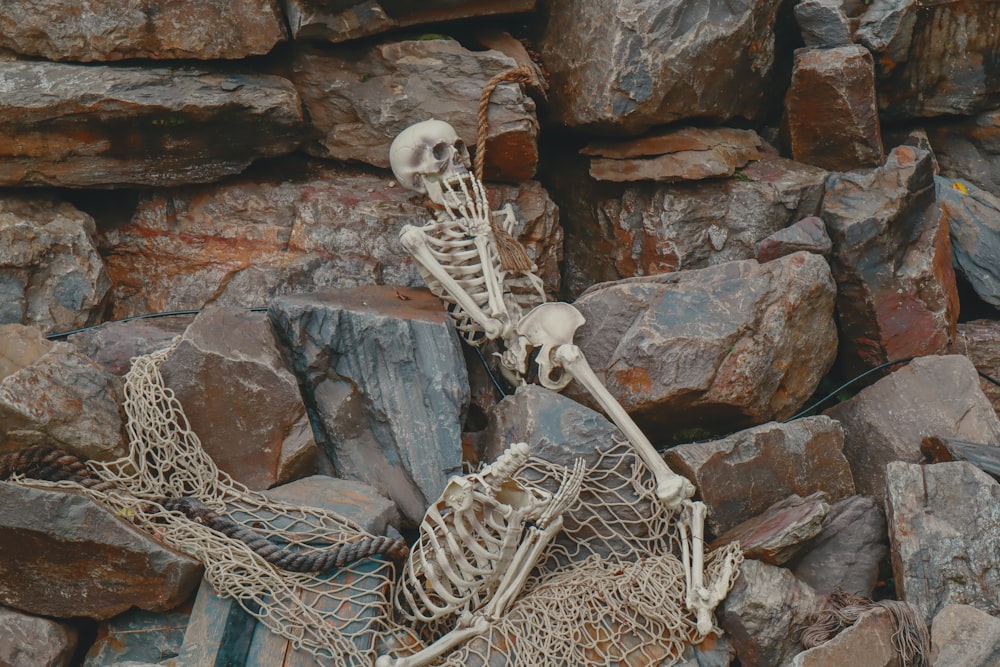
column 512, row 254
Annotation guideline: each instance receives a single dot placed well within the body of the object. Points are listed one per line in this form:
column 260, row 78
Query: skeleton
column 457, row 255
column 477, row 546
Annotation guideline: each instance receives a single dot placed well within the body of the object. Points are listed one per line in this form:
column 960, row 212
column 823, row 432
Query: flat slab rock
column 868, row 642
column 778, row 534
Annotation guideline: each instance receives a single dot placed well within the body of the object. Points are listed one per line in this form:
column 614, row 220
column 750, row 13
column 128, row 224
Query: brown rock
column 888, row 420
column 831, row 111
column 896, row 294
column 51, row 394
column 964, row 635
column 691, row 352
column 779, row 533
column 944, row 521
column 31, row 640
column 979, row 340
column 682, row 154
column 867, row 642
column 81, row 126
column 112, row 345
column 63, row 555
column 50, row 273
column 249, row 239
column 239, row 398
column 360, row 98
column 808, row 234
column 342, row 21
column 158, row 29
column 359, row 502
column 740, row 476
column 616, row 231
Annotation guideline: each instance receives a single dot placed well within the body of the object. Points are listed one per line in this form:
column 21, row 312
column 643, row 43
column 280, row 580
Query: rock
column 779, row 533
column 979, row 340
column 848, row 550
column 896, row 294
column 681, row 154
column 139, row 636
column 104, row 30
column 933, row 60
column 831, row 112
column 560, row 430
column 359, row 502
column 741, row 475
column 823, row 23
column 63, row 555
column 867, row 642
column 888, row 420
column 342, row 21
column 808, row 234
column 50, row 273
column 116, row 125
column 973, row 219
column 385, row 383
column 712, row 652
column 240, row 399
column 721, row 347
column 969, row 148
column 288, row 230
column 943, row 522
column 51, row 394
column 359, row 98
column 646, row 63
column 964, row 635
column 113, row 345
column 764, row 608
column 30, row 640
column 616, row 231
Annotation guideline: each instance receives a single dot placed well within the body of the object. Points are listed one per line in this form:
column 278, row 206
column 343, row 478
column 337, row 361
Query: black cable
column 147, row 316
column 807, row 410
column 489, row 371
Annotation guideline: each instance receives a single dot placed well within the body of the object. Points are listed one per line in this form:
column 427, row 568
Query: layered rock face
column 751, row 203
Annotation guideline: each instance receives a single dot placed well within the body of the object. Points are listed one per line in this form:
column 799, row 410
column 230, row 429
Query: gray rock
column 342, row 21
column 51, row 394
column 107, row 30
column 139, row 636
column 867, row 642
column 616, row 231
column 31, row 640
column 764, row 608
column 979, row 340
column 239, row 397
column 622, row 67
column 740, row 476
column 964, row 635
column 63, row 555
column 359, row 98
column 808, row 234
column 830, row 109
column 112, row 345
column 358, row 502
column 846, row 554
column 692, row 352
column 159, row 126
column 888, row 420
column 973, row 218
column 944, row 521
column 51, row 275
column 385, row 384
column 896, row 293
column 823, row 23
column 969, row 148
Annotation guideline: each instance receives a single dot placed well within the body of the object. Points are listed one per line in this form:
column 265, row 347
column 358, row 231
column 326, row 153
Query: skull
column 426, row 154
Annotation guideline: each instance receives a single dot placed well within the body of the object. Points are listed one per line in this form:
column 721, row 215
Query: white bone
column 701, row 599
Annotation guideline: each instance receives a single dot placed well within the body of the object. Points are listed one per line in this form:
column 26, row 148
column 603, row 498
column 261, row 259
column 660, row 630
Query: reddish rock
column 808, row 234
column 682, row 154
column 979, row 340
column 360, row 97
column 158, row 29
column 868, row 642
column 830, row 109
column 896, row 294
column 740, row 476
column 63, row 555
column 780, row 532
column 240, row 399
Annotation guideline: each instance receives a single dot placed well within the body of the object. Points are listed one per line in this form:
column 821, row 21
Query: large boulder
column 623, row 66
column 979, row 340
column 691, row 352
column 108, row 30
column 33, row 640
column 116, row 125
column 51, row 274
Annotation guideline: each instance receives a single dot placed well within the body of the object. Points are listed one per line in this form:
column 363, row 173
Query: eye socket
column 440, row 151
column 459, row 148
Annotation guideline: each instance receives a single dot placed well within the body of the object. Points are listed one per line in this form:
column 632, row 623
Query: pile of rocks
column 749, row 202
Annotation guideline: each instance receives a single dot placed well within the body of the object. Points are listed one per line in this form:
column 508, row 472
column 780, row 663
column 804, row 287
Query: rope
column 51, row 464
column 512, row 254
